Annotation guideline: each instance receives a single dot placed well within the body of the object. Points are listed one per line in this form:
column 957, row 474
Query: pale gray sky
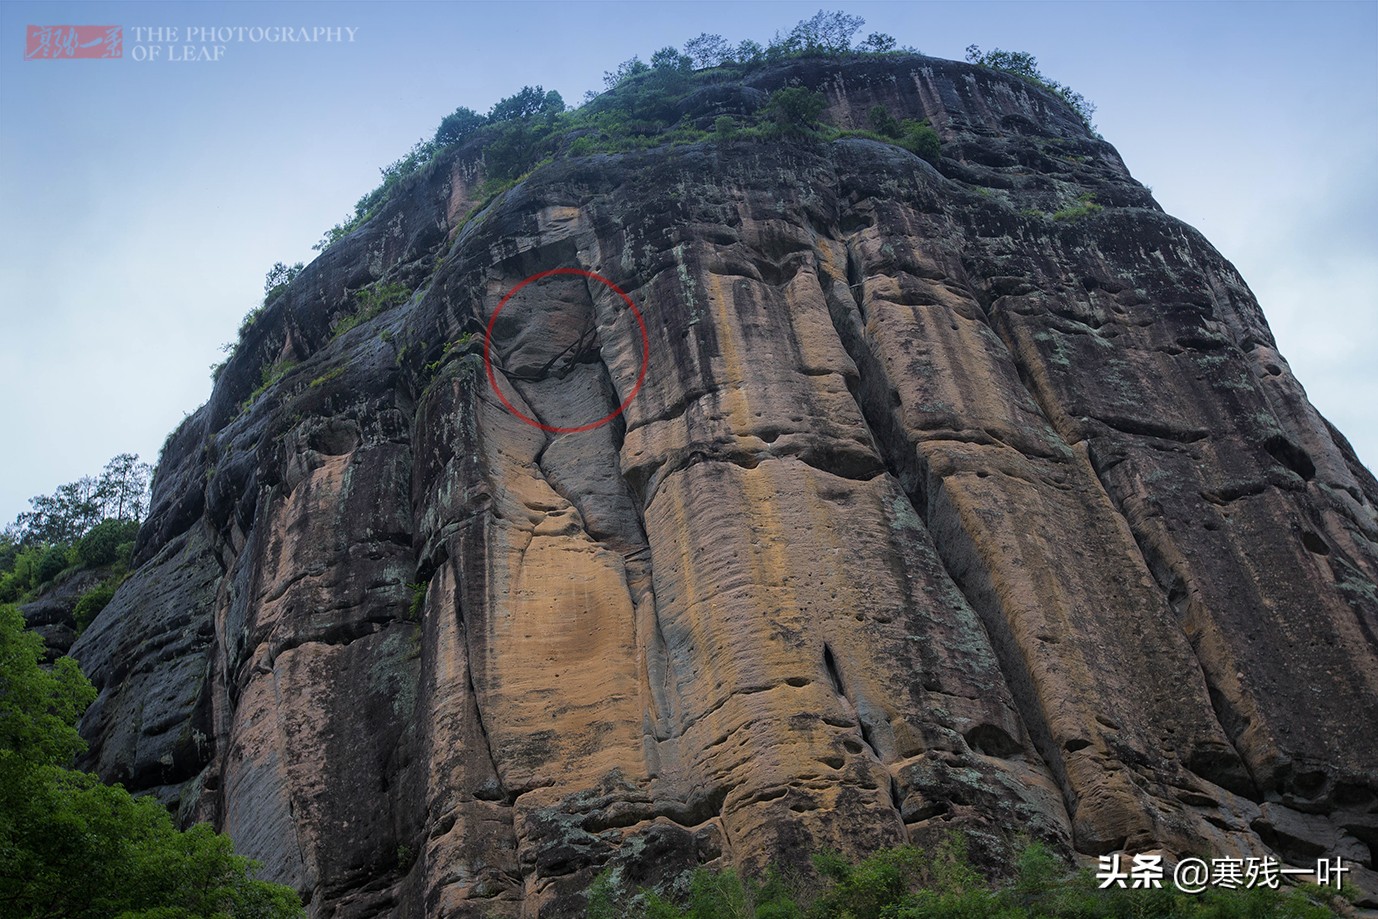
column 141, row 203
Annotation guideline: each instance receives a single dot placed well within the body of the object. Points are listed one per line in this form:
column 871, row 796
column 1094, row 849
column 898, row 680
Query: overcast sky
column 141, row 202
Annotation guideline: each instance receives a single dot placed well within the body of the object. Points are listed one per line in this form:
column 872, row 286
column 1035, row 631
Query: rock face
column 933, row 511
column 53, row 616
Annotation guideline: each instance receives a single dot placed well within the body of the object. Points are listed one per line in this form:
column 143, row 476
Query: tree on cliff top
column 458, row 125
column 822, row 33
column 1025, row 65
column 527, row 101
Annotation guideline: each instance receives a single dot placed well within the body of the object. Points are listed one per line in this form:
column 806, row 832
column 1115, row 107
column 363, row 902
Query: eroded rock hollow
column 932, row 512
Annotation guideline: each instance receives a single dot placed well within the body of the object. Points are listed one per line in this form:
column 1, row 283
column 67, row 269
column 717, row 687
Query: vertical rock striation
column 934, row 510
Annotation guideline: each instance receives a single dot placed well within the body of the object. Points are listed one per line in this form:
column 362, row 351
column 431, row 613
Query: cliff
column 941, row 499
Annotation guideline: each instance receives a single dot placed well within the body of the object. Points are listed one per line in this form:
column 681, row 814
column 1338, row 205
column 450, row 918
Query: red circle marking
column 640, row 377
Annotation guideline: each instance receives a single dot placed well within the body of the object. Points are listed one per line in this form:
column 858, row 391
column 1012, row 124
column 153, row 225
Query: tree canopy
column 74, row 848
column 278, row 277
column 458, row 125
column 119, row 492
column 525, row 102
column 84, row 524
column 828, row 32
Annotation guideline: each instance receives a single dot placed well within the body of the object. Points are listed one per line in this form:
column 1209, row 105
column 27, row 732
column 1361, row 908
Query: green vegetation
column 70, row 846
column 120, row 491
column 465, row 343
column 279, row 276
column 51, row 563
column 108, row 543
column 532, row 126
column 647, row 104
column 406, row 857
column 458, row 125
column 379, row 297
column 369, row 302
column 348, row 322
column 1025, row 65
column 327, row 377
column 84, row 524
column 918, row 137
column 271, row 374
column 418, row 600
column 275, row 283
column 245, row 325
column 909, row 883
column 78, row 849
column 218, row 367
column 795, row 111
column 417, row 157
column 111, row 539
column 1085, row 207
column 91, row 603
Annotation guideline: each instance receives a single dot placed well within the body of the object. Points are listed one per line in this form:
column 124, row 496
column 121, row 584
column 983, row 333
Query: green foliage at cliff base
column 74, row 848
column 909, row 883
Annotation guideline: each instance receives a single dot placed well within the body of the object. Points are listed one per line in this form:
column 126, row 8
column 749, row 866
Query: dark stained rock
column 53, row 615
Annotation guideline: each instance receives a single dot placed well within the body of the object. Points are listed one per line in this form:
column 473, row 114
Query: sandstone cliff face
column 932, row 512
